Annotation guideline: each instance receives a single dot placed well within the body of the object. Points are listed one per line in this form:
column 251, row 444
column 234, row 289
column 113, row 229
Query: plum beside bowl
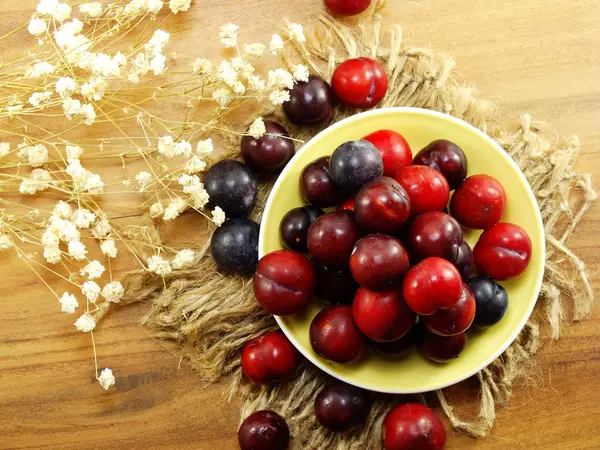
column 412, row 373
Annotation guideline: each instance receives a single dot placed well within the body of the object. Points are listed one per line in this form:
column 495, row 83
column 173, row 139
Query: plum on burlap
column 212, row 316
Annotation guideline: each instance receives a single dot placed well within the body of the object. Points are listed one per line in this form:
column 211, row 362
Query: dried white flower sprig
column 95, row 66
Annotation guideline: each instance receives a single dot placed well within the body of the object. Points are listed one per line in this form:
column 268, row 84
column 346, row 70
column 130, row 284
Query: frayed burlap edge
column 212, row 315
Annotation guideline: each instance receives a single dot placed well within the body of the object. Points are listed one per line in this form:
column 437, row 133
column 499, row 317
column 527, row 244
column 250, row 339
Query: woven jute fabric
column 212, row 315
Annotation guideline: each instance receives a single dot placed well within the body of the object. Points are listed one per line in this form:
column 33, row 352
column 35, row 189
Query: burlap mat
column 213, row 316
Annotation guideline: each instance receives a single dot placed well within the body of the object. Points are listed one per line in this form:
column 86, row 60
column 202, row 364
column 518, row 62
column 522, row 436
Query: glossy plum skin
column 448, row 158
column 354, row 163
column 347, row 7
column 382, row 316
column 284, row 282
column 311, row 102
column 294, row 227
column 432, row 284
column 335, row 336
column 479, row 203
column 491, row 300
column 382, row 205
column 359, row 82
column 413, row 426
column 332, row 237
column 441, row 349
column 270, row 153
column 234, row 245
column 427, row 188
column 503, row 251
column 232, row 186
column 402, row 345
column 335, row 284
column 316, row 185
column 377, row 261
column 454, row 320
column 464, row 261
column 348, row 205
column 434, row 234
column 395, row 151
column 269, row 358
column 264, row 430
column 340, row 407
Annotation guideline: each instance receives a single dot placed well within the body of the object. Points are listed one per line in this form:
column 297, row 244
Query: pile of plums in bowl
column 381, row 240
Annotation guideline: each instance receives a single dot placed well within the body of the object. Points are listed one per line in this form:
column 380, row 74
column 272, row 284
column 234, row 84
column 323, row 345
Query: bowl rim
column 426, row 112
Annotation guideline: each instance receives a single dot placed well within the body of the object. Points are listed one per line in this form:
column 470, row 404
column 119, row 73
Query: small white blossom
column 157, row 43
column 228, row 35
column 62, row 210
column 63, row 12
column 66, row 86
column 40, row 69
column 94, row 89
column 195, row 165
column 179, row 5
column 280, row 79
column 227, row 74
column 91, row 290
column 93, row 270
column 199, row 198
column 184, row 258
column 37, row 26
column 37, row 99
column 218, row 216
column 14, row 109
column 174, row 209
column 71, row 107
column 166, row 146
column 52, row 254
column 60, row 11
column 106, row 65
column 73, row 152
column 156, row 210
column 92, row 9
column 68, row 303
column 85, row 323
column 257, row 129
column 154, row 6
column 159, row 266
column 300, row 73
column 144, row 179
column 278, row 97
column 5, row 242
column 106, row 378
column 35, row 155
column 39, row 181
column 256, row 83
column 243, row 67
column 113, row 291
column 65, row 230
column 201, row 66
column 50, row 238
column 296, row 32
column 88, row 114
column 255, row 50
column 222, row 96
column 77, row 250
column 276, row 44
column 4, row 149
column 109, row 248
column 65, row 35
column 94, row 184
column 205, row 148
column 101, row 229
column 158, row 64
column 183, row 148
column 83, row 218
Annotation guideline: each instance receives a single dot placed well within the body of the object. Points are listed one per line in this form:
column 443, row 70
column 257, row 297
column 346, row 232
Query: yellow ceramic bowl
column 412, row 373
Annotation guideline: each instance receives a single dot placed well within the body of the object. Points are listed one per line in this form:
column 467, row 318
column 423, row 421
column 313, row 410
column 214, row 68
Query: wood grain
column 538, row 56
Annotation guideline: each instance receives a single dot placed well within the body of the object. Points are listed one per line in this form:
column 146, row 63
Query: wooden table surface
column 537, row 56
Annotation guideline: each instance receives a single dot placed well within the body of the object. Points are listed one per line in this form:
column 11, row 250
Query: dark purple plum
column 295, row 224
column 234, row 245
column 335, row 284
column 264, row 430
column 434, row 234
column 316, row 185
column 339, row 406
column 270, row 153
column 311, row 102
column 232, row 186
column 442, row 349
column 491, row 300
column 448, row 158
column 464, row 260
column 354, row 163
